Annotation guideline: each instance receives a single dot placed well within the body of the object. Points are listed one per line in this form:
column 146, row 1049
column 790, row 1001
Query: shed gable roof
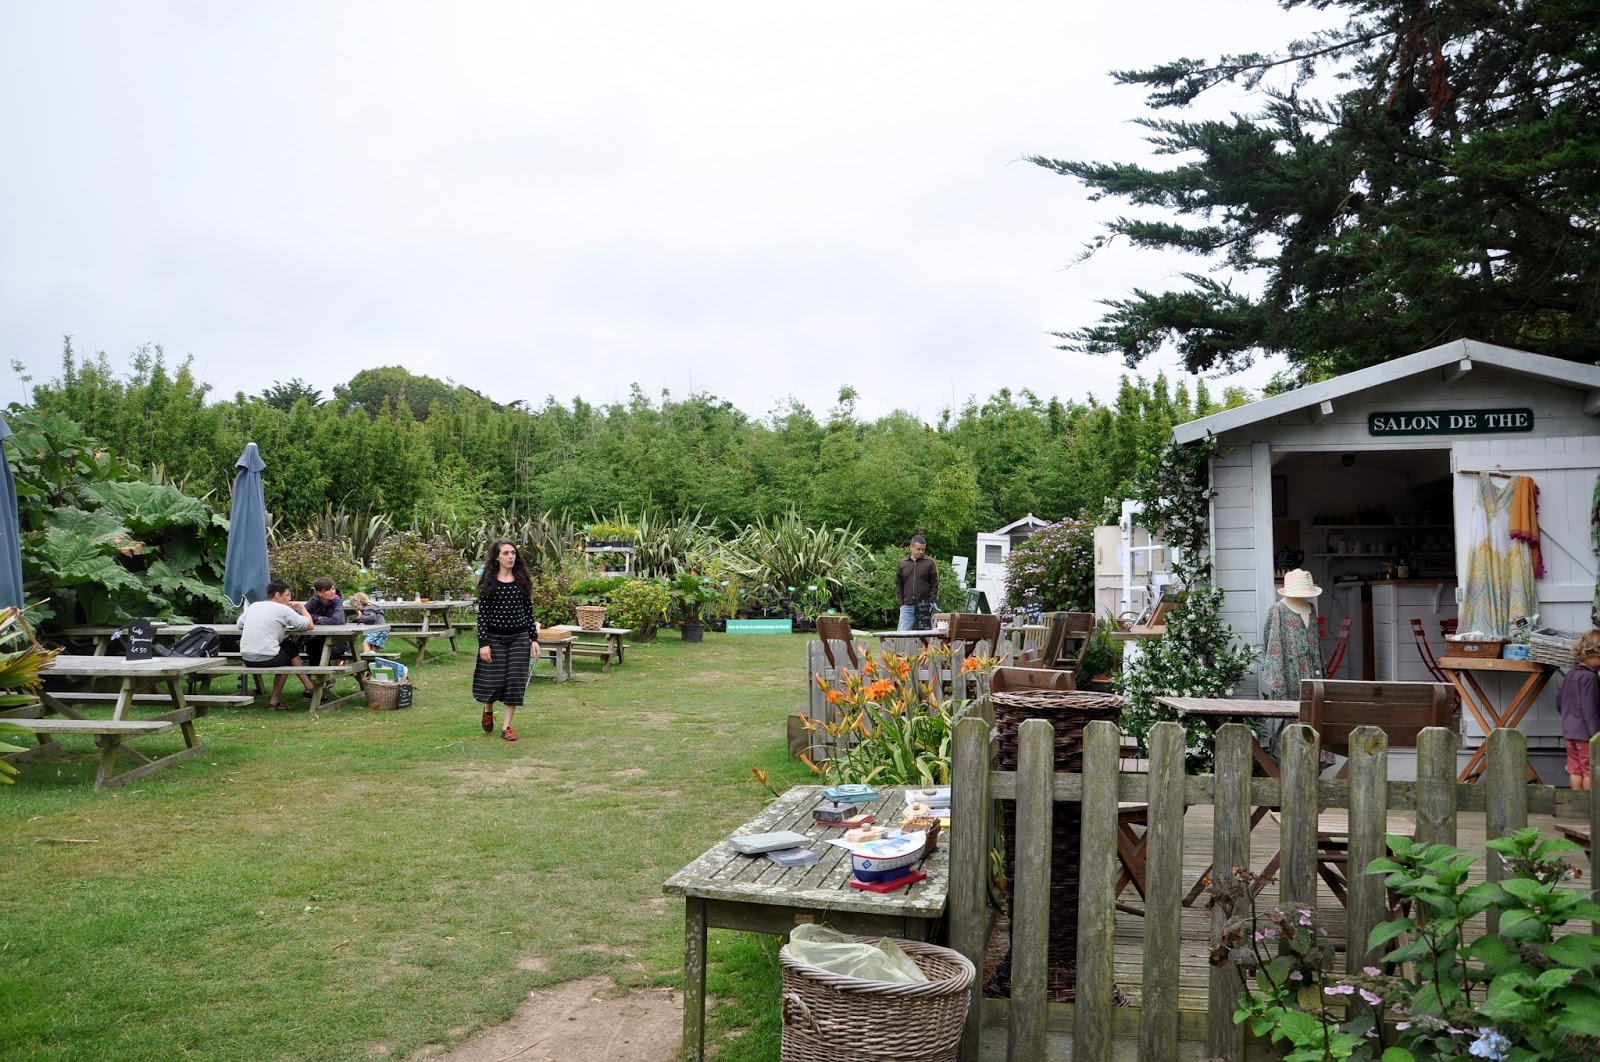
column 1027, row 521
column 1461, row 353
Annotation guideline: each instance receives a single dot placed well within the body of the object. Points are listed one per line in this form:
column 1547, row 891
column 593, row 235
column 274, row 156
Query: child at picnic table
column 1578, row 701
column 359, row 608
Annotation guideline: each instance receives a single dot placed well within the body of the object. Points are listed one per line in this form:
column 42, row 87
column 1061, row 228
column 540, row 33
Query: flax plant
column 891, row 723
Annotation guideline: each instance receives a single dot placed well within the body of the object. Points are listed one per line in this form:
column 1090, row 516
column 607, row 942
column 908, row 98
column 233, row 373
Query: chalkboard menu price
column 138, row 640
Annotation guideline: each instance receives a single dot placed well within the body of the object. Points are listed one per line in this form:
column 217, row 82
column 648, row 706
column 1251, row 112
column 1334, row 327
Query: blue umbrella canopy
column 10, row 529
column 244, row 573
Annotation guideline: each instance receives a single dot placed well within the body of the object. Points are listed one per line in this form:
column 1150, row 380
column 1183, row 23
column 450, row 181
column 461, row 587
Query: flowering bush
column 891, row 728
column 1057, row 563
column 1522, row 994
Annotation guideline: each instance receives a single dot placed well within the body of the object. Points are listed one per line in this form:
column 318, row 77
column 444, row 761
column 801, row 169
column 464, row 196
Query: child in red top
column 1578, row 701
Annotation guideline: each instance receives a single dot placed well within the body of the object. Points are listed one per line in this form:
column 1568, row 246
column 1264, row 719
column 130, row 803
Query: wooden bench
column 202, row 700
column 322, row 676
column 111, row 736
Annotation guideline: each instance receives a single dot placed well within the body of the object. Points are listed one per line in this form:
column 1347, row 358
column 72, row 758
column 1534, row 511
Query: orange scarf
column 1525, row 519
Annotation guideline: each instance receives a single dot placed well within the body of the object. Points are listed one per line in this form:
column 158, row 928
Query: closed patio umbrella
column 10, row 529
column 244, row 573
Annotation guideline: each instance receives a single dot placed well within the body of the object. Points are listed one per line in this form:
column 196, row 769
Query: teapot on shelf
column 1286, row 559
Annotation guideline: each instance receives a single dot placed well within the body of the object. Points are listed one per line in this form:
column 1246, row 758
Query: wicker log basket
column 1551, row 646
column 1069, row 713
column 828, row 1017
column 591, row 617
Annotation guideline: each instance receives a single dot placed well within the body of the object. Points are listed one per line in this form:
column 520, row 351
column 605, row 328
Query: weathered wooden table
column 725, row 890
column 559, row 652
column 112, row 736
column 323, row 674
column 606, row 648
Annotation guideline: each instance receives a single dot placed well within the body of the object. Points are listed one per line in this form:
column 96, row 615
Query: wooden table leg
column 180, row 706
column 1478, row 703
column 694, row 979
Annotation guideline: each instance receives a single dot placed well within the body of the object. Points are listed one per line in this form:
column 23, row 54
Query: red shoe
column 488, row 720
column 508, row 734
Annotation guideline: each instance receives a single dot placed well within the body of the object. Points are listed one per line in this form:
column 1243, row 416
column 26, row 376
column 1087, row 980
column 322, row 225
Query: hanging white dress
column 1499, row 569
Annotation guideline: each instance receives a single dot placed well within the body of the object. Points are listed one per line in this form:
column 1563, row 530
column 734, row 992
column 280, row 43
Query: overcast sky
column 757, row 200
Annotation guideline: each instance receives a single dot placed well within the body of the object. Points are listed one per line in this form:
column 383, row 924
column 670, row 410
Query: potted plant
column 811, row 602
column 691, row 596
column 726, row 606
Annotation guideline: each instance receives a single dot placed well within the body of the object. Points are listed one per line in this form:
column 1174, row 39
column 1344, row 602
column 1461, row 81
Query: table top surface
column 436, row 605
column 580, row 630
column 231, row 630
column 1491, row 663
column 1233, row 707
column 723, row 874
column 116, row 667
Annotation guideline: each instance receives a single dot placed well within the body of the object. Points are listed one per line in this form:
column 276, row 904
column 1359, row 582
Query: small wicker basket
column 828, row 1017
column 387, row 696
column 1551, row 646
column 1473, row 648
column 591, row 617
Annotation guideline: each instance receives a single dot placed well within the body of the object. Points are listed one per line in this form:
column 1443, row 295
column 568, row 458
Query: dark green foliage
column 1450, row 188
column 552, row 599
column 640, row 605
column 1057, row 564
column 284, row 395
column 594, row 590
column 100, row 544
column 302, row 560
column 407, row 565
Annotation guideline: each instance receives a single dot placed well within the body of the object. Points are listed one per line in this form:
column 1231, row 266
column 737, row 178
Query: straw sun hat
column 1297, row 583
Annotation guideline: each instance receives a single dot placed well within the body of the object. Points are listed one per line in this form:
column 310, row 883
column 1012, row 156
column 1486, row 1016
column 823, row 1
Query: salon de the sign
column 1450, row 422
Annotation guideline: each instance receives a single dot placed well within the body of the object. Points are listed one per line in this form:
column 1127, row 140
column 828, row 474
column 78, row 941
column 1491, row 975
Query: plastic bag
column 830, row 950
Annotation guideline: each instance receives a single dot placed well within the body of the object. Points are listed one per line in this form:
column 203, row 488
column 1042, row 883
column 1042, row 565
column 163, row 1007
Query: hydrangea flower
column 1490, row 1044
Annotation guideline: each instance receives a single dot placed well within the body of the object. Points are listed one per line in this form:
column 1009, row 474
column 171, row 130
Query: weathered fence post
column 1163, row 943
column 1594, row 831
column 1369, row 827
column 1302, row 765
column 1030, row 892
column 970, row 832
column 1097, row 880
column 1507, row 810
column 1230, row 848
column 1436, row 786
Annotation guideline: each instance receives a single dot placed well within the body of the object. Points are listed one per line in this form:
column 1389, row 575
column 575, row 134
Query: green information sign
column 763, row 626
column 1450, row 422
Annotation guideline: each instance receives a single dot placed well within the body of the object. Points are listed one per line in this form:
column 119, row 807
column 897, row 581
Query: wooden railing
column 1159, row 1029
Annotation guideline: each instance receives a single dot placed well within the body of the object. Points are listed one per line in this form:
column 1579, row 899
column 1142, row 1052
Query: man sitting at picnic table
column 324, row 606
column 264, row 637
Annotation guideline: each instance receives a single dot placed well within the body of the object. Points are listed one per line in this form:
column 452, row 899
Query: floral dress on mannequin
column 1289, row 653
column 1499, row 569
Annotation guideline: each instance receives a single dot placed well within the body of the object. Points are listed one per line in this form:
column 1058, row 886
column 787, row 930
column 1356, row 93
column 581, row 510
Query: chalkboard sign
column 404, row 694
column 138, row 640
column 976, row 602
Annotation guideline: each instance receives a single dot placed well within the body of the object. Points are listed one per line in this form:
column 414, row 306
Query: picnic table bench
column 606, row 648
column 434, row 620
column 322, row 674
column 110, row 736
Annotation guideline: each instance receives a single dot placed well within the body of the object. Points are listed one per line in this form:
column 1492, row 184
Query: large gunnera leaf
column 147, row 507
column 72, row 560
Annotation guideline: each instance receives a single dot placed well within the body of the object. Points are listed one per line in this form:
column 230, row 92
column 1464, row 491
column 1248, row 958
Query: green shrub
column 552, row 599
column 1057, row 563
column 640, row 605
column 407, row 565
column 302, row 560
column 596, row 589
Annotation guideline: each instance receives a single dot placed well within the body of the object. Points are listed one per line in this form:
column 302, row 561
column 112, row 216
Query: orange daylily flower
column 971, row 663
column 835, row 697
column 879, row 689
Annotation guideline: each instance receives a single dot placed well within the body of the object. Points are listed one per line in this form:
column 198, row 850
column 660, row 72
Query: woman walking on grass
column 506, row 632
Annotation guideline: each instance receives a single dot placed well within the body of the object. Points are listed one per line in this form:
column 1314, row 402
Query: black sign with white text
column 1450, row 422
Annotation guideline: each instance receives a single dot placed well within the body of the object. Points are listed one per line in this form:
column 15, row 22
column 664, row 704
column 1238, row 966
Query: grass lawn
column 366, row 883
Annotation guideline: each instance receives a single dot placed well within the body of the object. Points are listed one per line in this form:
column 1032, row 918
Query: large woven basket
column 387, row 696
column 1069, row 712
column 828, row 1017
column 1551, row 646
column 591, row 617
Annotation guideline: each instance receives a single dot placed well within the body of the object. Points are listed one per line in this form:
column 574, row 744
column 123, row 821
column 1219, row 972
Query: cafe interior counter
column 1394, row 604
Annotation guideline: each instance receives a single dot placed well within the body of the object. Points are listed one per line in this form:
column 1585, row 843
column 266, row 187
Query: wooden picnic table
column 112, row 736
column 605, row 648
column 436, row 619
column 323, row 673
column 725, row 890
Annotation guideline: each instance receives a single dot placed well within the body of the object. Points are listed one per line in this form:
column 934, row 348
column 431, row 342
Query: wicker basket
column 1473, row 648
column 828, row 1017
column 1069, row 712
column 1551, row 646
column 387, row 696
column 591, row 617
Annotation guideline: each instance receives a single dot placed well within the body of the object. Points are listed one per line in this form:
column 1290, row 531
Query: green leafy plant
column 692, row 595
column 551, row 598
column 640, row 605
column 889, row 728
column 1104, row 654
column 787, row 551
column 407, row 565
column 302, row 560
column 1524, row 993
column 597, row 589
column 1057, row 564
column 19, row 675
column 813, row 600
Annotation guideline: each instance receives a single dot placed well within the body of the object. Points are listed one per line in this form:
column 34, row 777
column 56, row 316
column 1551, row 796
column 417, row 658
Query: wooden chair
column 832, row 629
column 1009, row 679
column 1080, row 629
column 1334, row 709
column 1341, row 645
column 1420, row 635
column 1050, row 647
column 970, row 628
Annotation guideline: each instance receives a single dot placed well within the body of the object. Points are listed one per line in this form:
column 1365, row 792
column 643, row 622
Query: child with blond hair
column 1578, row 701
column 360, row 609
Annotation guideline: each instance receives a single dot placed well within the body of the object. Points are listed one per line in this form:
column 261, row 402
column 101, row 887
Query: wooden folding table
column 1462, row 672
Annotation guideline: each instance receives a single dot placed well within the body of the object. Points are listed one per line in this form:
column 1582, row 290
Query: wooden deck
column 1196, row 920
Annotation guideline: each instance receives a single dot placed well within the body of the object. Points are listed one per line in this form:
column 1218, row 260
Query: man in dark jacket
column 916, row 583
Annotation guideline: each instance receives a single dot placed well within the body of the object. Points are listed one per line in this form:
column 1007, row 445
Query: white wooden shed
column 1378, row 468
column 993, row 549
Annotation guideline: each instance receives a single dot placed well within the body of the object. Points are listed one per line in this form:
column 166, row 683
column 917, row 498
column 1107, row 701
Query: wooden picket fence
column 1094, row 1029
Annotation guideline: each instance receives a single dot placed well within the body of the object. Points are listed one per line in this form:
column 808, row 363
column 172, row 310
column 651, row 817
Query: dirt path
column 583, row 1021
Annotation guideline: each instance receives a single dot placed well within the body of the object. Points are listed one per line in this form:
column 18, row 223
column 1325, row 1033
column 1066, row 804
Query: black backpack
column 201, row 641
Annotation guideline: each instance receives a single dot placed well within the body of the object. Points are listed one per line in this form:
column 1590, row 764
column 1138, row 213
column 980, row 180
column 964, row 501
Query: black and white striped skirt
column 505, row 676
